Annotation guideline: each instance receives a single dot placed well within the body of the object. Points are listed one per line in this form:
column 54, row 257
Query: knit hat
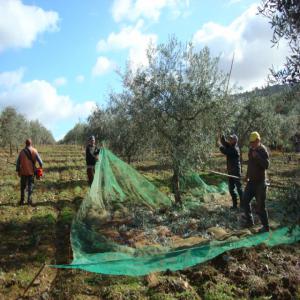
column 234, row 137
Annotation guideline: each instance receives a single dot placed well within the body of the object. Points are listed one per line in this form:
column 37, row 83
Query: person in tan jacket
column 25, row 167
column 256, row 186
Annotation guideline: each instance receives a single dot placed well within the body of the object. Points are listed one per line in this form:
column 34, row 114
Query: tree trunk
column 10, row 149
column 175, row 185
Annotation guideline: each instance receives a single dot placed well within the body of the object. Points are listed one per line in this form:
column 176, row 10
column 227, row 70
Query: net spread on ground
column 126, row 226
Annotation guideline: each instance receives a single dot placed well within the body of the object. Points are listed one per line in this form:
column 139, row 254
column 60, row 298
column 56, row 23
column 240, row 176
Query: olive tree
column 40, row 134
column 126, row 131
column 15, row 128
column 97, row 124
column 275, row 114
column 181, row 96
column 10, row 126
column 77, row 135
column 284, row 16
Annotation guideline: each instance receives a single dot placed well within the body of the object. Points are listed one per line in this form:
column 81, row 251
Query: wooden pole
column 223, row 174
column 268, row 184
column 230, row 73
column 35, row 277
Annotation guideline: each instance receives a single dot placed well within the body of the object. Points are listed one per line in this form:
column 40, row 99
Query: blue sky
column 58, row 58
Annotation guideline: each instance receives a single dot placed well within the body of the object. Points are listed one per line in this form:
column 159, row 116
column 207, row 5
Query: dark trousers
column 232, row 184
column 259, row 191
column 90, row 175
column 26, row 181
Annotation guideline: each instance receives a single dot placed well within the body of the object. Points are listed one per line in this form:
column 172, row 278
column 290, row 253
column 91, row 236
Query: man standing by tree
column 26, row 168
column 258, row 163
column 231, row 149
column 91, row 157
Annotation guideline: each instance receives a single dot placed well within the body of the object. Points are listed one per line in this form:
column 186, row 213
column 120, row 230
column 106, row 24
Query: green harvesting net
column 126, row 226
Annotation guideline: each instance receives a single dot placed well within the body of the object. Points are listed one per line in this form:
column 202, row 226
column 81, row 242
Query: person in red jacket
column 25, row 167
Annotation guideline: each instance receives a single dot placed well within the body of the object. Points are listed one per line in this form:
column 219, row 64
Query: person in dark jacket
column 231, row 149
column 91, row 157
column 258, row 163
column 25, row 167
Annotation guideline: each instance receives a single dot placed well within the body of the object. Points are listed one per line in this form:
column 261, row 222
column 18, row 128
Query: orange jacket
column 24, row 164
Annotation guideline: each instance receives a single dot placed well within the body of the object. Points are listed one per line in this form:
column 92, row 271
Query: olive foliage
column 15, row 128
column 177, row 95
column 284, row 16
column 177, row 105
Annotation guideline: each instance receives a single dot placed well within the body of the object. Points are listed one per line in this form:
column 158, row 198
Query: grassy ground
column 31, row 236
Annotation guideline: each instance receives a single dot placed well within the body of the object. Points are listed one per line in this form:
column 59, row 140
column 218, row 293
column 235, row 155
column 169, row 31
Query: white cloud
column 232, row 2
column 20, row 24
column 103, row 65
column 10, row 79
column 248, row 37
column 38, row 99
column 131, row 38
column 79, row 78
column 60, row 81
column 149, row 9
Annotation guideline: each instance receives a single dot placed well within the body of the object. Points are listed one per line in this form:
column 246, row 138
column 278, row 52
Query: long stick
column 227, row 86
column 230, row 73
column 268, row 184
column 224, row 174
column 35, row 277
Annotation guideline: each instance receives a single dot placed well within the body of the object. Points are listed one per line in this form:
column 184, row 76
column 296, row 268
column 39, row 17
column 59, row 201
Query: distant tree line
column 15, row 128
column 179, row 103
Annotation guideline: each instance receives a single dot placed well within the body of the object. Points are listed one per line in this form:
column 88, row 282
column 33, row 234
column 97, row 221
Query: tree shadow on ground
column 51, row 160
column 62, row 185
column 63, row 168
column 9, row 204
column 43, row 238
column 154, row 167
column 7, row 184
column 32, row 241
column 293, row 173
column 23, row 243
column 61, row 203
column 63, row 250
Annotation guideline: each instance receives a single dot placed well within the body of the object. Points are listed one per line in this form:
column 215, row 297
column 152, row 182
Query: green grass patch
column 132, row 291
column 24, row 276
column 161, row 180
column 66, row 215
column 40, row 219
column 219, row 291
